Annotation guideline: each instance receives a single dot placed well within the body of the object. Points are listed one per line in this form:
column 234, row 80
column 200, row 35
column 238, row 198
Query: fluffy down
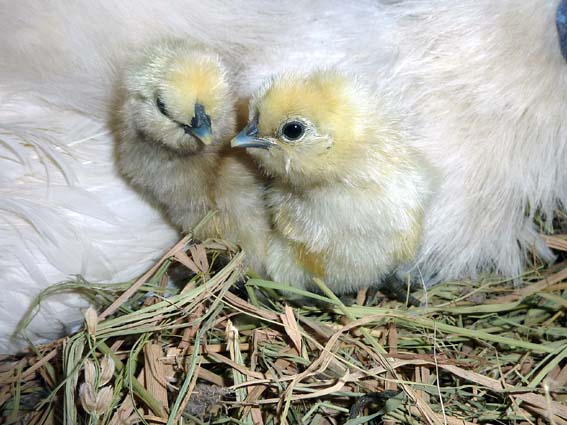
column 167, row 90
column 348, row 194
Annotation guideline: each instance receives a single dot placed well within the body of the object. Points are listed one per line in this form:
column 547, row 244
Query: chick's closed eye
column 161, row 107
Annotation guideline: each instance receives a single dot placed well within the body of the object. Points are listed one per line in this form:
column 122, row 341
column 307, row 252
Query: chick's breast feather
column 176, row 111
column 348, row 194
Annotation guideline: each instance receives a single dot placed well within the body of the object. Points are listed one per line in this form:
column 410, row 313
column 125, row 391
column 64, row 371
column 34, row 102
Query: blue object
column 561, row 22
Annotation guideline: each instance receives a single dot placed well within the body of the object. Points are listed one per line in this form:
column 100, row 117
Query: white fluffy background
column 485, row 77
column 64, row 211
column 490, row 85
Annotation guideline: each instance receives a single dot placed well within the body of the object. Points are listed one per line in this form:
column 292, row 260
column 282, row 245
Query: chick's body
column 177, row 112
column 348, row 194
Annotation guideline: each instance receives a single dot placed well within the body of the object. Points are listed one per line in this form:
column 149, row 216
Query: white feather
column 490, row 85
column 64, row 211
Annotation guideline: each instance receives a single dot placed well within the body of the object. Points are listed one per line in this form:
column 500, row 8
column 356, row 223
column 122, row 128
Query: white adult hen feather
column 60, row 218
column 71, row 52
column 490, row 85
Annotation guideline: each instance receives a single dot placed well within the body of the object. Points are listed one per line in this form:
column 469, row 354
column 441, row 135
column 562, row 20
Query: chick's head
column 178, row 94
column 314, row 128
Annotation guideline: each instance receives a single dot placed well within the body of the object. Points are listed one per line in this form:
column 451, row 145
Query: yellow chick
column 348, row 194
column 177, row 111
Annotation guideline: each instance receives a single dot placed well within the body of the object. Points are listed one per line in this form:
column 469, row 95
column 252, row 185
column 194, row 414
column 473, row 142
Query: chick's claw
column 396, row 289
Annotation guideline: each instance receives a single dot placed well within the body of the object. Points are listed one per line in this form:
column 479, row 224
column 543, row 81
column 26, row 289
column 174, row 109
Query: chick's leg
column 395, row 288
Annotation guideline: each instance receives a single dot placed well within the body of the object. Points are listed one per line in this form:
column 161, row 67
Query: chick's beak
column 248, row 138
column 200, row 125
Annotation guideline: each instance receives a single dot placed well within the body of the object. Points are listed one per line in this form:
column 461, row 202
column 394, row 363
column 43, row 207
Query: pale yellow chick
column 177, row 114
column 348, row 194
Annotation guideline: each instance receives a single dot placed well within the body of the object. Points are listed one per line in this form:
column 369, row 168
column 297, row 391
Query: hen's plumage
column 64, row 212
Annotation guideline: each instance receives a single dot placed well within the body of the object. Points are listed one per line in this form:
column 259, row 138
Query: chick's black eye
column 293, row 130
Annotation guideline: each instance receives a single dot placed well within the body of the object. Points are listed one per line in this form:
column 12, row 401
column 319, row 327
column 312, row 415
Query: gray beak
column 200, row 125
column 248, row 137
